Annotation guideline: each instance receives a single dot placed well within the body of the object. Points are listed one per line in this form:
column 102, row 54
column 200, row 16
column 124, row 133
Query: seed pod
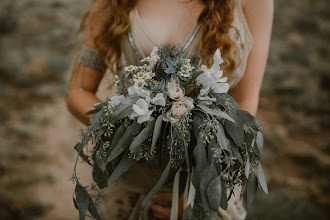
column 191, row 90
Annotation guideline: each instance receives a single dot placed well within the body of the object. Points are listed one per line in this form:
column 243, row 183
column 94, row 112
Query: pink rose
column 179, row 108
column 174, row 90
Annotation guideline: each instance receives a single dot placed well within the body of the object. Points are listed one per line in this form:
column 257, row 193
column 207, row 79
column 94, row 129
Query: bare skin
column 259, row 16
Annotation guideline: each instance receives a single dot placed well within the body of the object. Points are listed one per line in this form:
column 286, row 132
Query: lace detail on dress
column 91, row 59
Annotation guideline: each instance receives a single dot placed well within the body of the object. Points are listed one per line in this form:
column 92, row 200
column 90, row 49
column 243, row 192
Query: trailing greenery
column 176, row 108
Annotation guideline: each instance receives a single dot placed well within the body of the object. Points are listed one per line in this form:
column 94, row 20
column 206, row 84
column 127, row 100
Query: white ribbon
column 175, row 196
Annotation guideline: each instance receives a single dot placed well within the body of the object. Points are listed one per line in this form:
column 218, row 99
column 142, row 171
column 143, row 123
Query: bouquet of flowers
column 174, row 106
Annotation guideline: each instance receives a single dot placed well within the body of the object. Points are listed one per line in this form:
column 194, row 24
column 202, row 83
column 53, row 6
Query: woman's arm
column 84, row 82
column 259, row 16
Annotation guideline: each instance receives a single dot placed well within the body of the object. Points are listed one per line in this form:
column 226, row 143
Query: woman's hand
column 163, row 211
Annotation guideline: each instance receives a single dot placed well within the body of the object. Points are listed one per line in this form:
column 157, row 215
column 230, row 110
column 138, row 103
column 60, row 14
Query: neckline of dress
column 190, row 37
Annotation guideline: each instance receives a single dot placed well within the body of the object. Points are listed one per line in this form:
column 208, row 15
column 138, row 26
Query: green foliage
column 219, row 145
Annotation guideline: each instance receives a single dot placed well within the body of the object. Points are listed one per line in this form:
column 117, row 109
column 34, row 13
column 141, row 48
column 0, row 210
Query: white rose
column 174, row 90
column 179, row 108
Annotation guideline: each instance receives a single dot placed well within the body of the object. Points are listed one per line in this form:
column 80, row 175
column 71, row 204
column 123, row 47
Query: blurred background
column 37, row 134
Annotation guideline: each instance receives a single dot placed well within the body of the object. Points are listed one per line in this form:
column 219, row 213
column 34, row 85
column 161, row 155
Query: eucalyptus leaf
column 188, row 213
column 262, row 179
column 235, row 130
column 124, row 164
column 95, row 123
column 125, row 113
column 158, row 185
column 242, row 192
column 82, row 198
column 79, row 148
column 200, row 161
column 256, row 151
column 237, row 153
column 222, row 139
column 99, row 177
column 224, row 98
column 248, row 138
column 120, row 109
column 157, row 130
column 124, row 141
column 118, row 134
column 207, row 175
column 214, row 193
column 223, row 201
column 217, row 113
column 92, row 112
column 75, row 203
column 249, row 120
column 260, row 141
column 142, row 136
column 247, row 168
column 252, row 186
column 92, row 209
column 197, row 121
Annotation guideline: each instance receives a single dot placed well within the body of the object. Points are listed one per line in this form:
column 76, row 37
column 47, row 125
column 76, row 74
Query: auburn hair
column 215, row 21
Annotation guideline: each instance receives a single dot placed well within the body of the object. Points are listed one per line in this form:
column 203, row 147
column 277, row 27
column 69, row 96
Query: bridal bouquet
column 174, row 106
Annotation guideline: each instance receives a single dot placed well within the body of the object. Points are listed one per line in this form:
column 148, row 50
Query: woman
column 120, row 33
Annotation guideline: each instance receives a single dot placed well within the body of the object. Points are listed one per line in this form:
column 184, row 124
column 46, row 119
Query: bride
column 118, row 33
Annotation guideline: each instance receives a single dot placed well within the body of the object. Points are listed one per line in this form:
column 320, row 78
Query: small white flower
column 141, row 111
column 130, row 68
column 146, row 59
column 139, row 83
column 158, row 99
column 117, row 80
column 186, row 70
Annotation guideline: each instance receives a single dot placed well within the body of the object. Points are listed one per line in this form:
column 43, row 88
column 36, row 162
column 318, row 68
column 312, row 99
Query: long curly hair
column 215, row 21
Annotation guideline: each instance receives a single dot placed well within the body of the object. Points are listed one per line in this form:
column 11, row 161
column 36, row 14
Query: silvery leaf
column 260, row 141
column 156, row 133
column 124, row 141
column 249, row 120
column 252, row 186
column 124, row 164
column 82, row 199
column 92, row 209
column 262, row 179
column 142, row 136
column 235, row 130
column 247, row 168
column 158, row 185
column 217, row 113
column 214, row 193
column 207, row 175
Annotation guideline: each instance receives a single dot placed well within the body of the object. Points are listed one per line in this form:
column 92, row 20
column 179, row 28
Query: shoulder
column 259, row 15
